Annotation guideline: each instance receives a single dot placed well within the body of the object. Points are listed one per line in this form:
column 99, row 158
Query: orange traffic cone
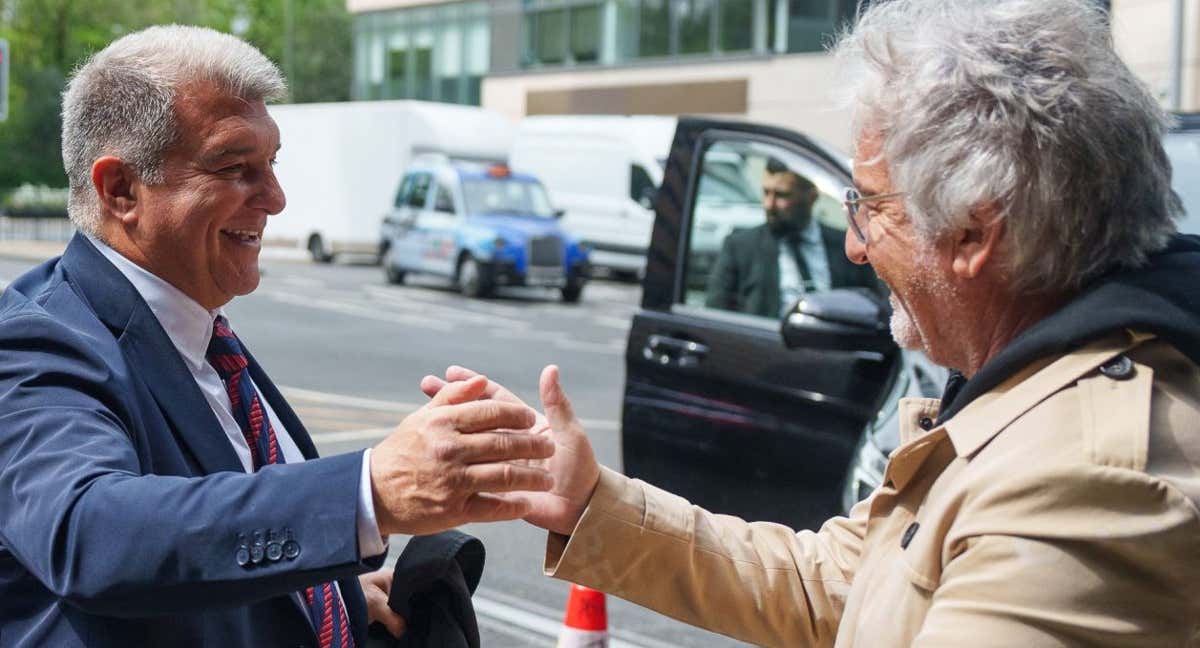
column 586, row 622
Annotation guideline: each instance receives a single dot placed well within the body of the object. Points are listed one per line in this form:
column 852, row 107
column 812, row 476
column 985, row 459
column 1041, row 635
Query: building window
column 654, row 28
column 558, row 33
column 736, row 25
column 695, row 20
column 434, row 53
column 548, row 31
column 585, row 34
column 807, row 25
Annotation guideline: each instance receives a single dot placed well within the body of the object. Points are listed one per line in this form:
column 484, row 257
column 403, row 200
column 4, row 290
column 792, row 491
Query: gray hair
column 121, row 101
column 1022, row 105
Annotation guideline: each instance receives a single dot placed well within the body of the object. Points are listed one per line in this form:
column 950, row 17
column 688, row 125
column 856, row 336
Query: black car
column 759, row 416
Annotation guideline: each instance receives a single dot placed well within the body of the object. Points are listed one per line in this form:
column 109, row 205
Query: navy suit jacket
column 122, row 500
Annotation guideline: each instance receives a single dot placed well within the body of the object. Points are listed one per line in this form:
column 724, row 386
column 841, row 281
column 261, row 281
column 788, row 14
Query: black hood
column 1162, row 297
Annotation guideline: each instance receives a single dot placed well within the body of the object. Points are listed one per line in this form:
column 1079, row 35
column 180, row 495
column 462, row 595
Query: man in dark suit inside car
column 763, row 270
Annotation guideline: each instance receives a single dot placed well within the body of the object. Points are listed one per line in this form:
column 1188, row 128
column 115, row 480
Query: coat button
column 1119, row 368
column 908, row 534
column 926, row 423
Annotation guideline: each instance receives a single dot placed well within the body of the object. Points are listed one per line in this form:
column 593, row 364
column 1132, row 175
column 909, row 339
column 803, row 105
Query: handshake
column 477, row 453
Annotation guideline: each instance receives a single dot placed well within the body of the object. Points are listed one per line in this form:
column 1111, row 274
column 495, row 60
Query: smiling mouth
column 245, row 237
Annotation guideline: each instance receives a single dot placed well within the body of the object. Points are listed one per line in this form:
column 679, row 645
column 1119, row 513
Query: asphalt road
column 348, row 352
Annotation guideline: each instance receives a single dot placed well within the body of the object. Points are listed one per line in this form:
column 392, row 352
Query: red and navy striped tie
column 226, row 355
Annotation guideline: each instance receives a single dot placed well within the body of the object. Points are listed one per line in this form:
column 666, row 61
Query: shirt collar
column 811, row 232
column 188, row 324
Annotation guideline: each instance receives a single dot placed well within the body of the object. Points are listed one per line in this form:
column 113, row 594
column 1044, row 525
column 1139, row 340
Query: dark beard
column 781, row 228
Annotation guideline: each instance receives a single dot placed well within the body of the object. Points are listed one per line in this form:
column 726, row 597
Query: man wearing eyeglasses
column 1012, row 190
column 763, row 270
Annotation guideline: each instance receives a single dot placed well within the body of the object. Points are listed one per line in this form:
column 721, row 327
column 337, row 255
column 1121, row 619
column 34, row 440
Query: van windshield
column 506, row 196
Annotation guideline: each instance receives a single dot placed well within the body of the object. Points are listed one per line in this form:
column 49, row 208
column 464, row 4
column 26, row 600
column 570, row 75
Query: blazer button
column 291, row 548
column 926, row 423
column 1119, row 368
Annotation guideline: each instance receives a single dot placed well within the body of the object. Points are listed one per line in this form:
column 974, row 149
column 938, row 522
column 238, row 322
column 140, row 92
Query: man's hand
column 455, row 461
column 376, row 586
column 573, row 465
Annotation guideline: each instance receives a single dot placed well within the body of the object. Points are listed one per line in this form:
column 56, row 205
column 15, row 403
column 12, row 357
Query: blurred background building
column 763, row 60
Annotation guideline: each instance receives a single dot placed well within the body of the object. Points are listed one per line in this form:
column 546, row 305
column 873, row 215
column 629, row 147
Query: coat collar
column 150, row 353
column 986, row 416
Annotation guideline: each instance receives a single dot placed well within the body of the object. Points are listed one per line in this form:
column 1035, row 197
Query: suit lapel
column 768, row 248
column 151, row 355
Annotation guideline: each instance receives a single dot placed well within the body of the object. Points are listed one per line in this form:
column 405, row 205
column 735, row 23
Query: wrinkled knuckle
column 445, row 449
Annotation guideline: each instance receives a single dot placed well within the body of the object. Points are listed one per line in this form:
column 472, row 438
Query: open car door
column 716, row 407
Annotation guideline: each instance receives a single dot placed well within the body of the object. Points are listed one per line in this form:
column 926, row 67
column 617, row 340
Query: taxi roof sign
column 498, row 171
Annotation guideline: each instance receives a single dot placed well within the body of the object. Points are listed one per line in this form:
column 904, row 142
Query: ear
column 979, row 242
column 116, row 186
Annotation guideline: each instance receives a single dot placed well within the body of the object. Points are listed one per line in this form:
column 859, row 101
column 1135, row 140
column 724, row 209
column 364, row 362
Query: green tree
column 309, row 39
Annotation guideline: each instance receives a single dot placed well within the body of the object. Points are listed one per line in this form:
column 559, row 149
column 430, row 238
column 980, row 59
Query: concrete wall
column 794, row 91
column 1142, row 32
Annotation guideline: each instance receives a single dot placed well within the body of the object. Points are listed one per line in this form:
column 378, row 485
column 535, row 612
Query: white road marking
column 303, row 282
column 545, row 621
column 347, row 308
column 534, row 623
column 369, row 434
column 349, row 401
column 312, row 396
column 453, row 312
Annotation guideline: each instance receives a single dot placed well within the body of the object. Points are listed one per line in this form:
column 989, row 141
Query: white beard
column 904, row 329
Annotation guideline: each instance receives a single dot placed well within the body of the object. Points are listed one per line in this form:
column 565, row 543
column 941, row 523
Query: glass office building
column 438, row 52
column 616, row 32
column 442, row 51
column 761, row 60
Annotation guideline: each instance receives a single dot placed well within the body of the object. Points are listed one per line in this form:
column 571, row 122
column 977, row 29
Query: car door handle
column 667, row 350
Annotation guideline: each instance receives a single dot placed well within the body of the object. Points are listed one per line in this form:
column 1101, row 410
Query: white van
column 603, row 171
column 340, row 162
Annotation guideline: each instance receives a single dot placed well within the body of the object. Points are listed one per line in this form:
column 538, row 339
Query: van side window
column 640, row 185
column 419, row 191
column 443, row 201
column 765, row 229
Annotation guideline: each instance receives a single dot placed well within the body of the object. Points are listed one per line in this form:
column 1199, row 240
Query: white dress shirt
column 190, row 327
column 791, row 284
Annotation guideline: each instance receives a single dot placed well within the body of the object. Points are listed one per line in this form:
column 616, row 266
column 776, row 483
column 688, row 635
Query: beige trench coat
column 1059, row 509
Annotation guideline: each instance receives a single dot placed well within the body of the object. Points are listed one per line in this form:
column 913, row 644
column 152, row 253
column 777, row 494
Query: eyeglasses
column 854, row 201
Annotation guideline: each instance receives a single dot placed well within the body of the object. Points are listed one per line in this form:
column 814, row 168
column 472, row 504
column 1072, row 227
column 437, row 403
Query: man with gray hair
column 156, row 488
column 1012, row 190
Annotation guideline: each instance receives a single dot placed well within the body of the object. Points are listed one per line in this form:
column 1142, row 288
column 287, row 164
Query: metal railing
column 35, row 225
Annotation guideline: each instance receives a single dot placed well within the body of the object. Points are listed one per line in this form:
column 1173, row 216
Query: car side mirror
column 846, row 319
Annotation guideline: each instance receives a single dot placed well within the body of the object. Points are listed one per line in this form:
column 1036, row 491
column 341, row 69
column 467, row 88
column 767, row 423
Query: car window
column 418, row 194
column 444, row 199
column 402, row 192
column 767, row 226
column 640, row 184
column 1184, row 151
column 506, row 196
